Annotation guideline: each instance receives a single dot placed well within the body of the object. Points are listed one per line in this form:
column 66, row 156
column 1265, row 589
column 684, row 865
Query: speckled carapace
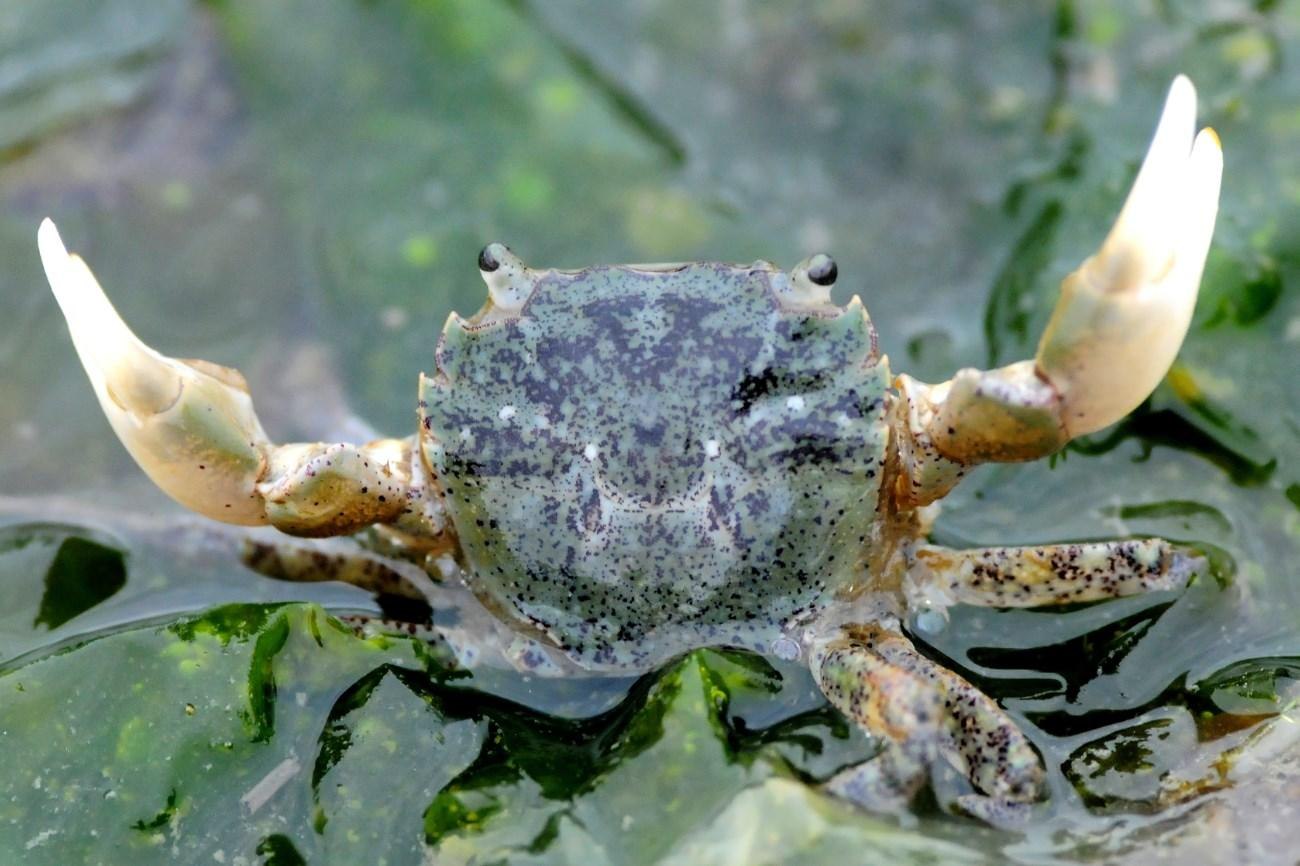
column 643, row 461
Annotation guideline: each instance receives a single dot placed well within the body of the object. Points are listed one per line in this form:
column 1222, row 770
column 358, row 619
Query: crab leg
column 893, row 705
column 191, row 427
column 1053, row 574
column 284, row 560
column 922, row 712
column 1114, row 333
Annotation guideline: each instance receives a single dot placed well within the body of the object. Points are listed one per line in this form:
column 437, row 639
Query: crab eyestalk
column 191, row 427
column 1112, row 337
column 810, row 282
column 509, row 281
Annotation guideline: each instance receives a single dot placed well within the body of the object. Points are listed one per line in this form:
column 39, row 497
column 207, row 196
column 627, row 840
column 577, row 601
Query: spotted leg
column 1048, row 575
column 191, row 427
column 892, row 704
column 308, row 562
column 1113, row 335
column 922, row 712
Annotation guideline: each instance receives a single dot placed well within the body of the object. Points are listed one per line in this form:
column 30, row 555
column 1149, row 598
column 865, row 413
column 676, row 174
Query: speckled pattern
column 890, row 703
column 922, row 711
column 1053, row 574
column 925, row 474
column 309, row 565
column 645, row 461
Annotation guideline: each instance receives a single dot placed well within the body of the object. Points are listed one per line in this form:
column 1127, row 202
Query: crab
column 631, row 462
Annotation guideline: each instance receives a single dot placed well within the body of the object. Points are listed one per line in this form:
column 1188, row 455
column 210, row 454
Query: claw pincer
column 191, row 427
column 1113, row 335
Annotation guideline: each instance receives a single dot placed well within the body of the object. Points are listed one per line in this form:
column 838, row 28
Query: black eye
column 487, row 262
column 822, row 270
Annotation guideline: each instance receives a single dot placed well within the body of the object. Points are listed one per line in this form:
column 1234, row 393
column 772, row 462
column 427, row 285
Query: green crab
column 629, row 462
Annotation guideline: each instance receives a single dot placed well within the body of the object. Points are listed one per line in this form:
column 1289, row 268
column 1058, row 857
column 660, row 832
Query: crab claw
column 1123, row 314
column 191, row 427
column 1114, row 333
column 189, row 424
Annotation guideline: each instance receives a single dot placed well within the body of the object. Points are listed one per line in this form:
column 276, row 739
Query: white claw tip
column 74, row 287
column 47, row 231
column 54, row 254
column 125, row 373
column 1183, row 90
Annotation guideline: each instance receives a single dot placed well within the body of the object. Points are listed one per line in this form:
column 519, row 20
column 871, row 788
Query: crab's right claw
column 1123, row 314
column 1114, row 333
column 189, row 424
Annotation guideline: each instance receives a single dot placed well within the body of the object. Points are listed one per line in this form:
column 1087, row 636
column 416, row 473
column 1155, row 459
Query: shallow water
column 300, row 189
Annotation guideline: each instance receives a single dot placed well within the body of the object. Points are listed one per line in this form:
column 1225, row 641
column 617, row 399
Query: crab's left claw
column 1120, row 321
column 191, row 427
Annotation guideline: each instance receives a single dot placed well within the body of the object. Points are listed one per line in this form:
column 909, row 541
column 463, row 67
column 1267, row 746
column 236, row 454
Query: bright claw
column 189, row 425
column 1120, row 321
column 1124, row 313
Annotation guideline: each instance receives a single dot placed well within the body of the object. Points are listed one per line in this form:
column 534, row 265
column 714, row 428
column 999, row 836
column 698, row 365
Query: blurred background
column 301, row 189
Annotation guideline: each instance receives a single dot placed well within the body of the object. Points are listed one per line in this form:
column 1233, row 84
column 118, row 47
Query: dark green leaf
column 82, row 575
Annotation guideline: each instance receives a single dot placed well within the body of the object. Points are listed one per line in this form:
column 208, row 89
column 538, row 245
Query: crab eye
column 509, row 281
column 822, row 270
column 489, row 259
